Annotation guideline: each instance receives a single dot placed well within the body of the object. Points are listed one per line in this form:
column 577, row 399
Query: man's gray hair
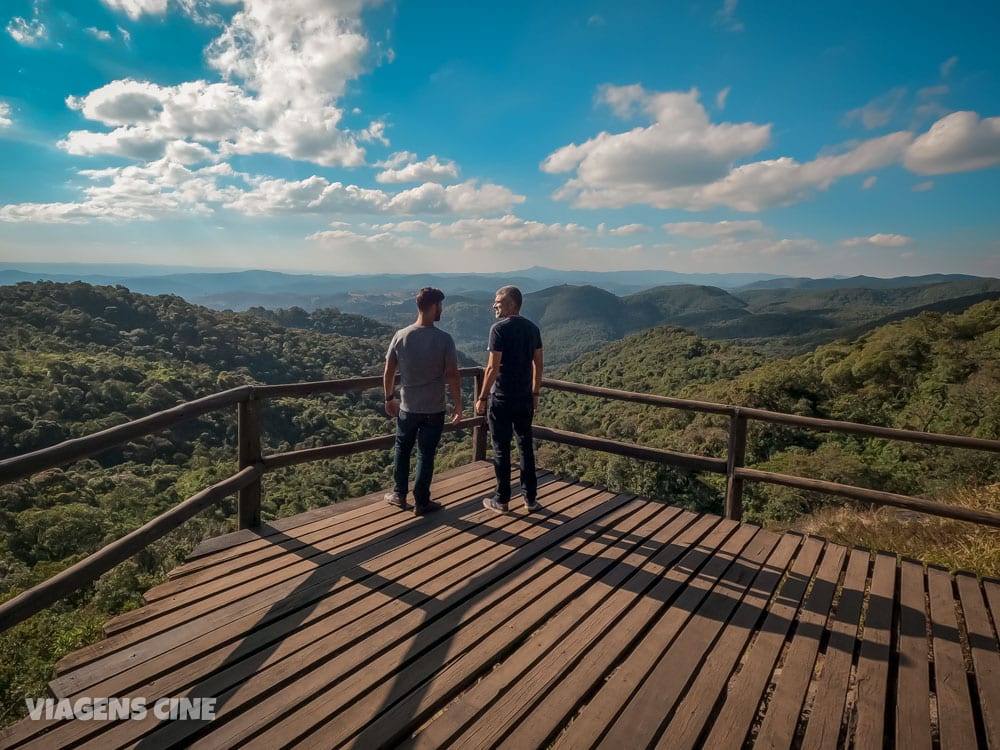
column 512, row 293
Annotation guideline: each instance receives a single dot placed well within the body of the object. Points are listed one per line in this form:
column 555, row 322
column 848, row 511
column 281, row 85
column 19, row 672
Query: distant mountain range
column 239, row 290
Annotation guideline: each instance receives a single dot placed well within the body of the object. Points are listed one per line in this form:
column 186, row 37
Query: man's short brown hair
column 428, row 297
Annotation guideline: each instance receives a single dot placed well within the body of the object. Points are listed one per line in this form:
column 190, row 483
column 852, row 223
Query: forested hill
column 933, row 372
column 78, row 358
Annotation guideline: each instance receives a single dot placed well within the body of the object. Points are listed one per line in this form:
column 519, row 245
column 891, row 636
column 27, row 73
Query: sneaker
column 532, row 505
column 493, row 503
column 396, row 500
column 422, row 509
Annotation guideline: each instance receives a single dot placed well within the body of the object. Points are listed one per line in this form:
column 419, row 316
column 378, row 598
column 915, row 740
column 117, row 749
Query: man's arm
column 455, row 385
column 536, row 376
column 388, row 385
column 489, row 378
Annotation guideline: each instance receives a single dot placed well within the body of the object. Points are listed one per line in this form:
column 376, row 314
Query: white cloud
column 726, row 16
column 923, row 187
column 134, row 9
column 880, row 111
column 628, row 229
column 720, row 98
column 869, row 183
column 5, row 121
column 126, row 36
column 135, row 194
column 429, row 170
column 880, row 240
column 705, row 229
column 285, row 63
column 947, row 66
column 506, row 230
column 99, row 34
column 679, row 151
column 747, row 252
column 317, row 195
column 28, row 33
column 959, row 142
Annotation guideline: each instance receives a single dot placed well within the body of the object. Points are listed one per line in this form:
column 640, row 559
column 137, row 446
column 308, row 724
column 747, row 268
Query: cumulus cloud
column 135, row 193
column 627, row 229
column 507, row 229
column 959, row 142
column 705, row 229
column 879, row 240
column 404, row 167
column 740, row 252
column 135, row 9
column 317, row 195
column 680, row 150
column 284, row 65
column 5, row 121
column 28, row 33
column 99, row 34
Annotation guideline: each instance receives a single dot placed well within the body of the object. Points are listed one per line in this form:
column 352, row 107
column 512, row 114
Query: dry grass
column 956, row 545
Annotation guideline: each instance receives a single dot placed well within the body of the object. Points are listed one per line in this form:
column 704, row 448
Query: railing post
column 734, row 460
column 248, row 435
column 479, row 431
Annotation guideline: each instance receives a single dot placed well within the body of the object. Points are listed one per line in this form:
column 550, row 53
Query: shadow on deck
column 601, row 620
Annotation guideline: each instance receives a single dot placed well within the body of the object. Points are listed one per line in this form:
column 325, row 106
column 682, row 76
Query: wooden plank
column 984, row 647
column 651, row 705
column 322, row 597
column 167, row 632
column 956, row 725
column 219, row 670
column 508, row 688
column 872, row 677
column 414, row 685
column 694, row 710
column 827, row 710
column 700, row 571
column 746, row 689
column 913, row 715
column 567, row 683
column 251, row 704
column 791, row 679
column 306, row 535
column 219, row 547
column 480, row 612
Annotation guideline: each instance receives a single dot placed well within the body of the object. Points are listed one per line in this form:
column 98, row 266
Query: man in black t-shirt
column 510, row 389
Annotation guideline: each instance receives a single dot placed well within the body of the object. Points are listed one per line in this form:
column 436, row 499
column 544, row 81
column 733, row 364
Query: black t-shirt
column 517, row 338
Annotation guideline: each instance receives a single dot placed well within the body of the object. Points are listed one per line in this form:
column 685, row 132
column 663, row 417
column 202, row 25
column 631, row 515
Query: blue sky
column 347, row 136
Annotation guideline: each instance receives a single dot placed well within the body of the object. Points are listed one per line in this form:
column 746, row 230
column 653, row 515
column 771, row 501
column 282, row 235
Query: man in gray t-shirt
column 425, row 358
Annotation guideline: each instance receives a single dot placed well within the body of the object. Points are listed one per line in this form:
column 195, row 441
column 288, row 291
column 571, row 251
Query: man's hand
column 392, row 408
column 456, row 415
column 481, row 407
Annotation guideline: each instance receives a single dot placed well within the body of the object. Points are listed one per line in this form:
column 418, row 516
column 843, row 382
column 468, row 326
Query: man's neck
column 425, row 322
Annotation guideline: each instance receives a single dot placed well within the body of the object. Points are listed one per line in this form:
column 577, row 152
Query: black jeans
column 424, row 430
column 509, row 419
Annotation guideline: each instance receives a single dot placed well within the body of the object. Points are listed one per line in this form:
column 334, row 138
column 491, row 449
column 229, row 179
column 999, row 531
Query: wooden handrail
column 75, row 577
column 19, row 467
column 253, row 464
column 879, row 497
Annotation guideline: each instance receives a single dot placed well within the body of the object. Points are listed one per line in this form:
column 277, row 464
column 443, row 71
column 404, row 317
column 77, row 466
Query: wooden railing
column 253, row 464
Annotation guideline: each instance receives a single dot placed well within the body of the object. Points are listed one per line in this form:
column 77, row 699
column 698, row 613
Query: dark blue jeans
column 509, row 419
column 424, row 430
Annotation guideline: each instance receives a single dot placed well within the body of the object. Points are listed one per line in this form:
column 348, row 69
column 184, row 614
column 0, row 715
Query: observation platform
column 602, row 620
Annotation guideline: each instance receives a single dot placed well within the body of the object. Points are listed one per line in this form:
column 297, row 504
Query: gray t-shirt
column 421, row 355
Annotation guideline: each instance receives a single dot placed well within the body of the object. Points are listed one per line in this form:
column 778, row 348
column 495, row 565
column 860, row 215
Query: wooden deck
column 601, row 621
